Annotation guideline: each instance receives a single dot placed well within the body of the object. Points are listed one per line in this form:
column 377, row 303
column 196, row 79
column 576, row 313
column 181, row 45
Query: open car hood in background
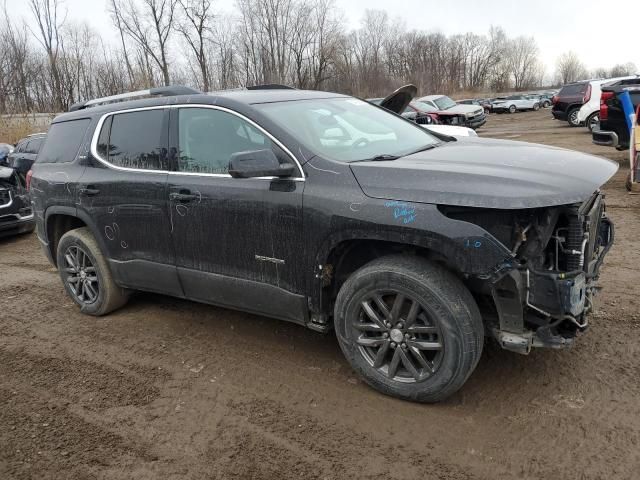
column 399, row 100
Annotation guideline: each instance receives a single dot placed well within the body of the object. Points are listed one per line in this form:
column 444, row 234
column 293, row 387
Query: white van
column 590, row 111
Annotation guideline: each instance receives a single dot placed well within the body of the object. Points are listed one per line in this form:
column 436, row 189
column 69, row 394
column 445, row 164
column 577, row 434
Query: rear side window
column 575, row 89
column 135, row 140
column 63, row 141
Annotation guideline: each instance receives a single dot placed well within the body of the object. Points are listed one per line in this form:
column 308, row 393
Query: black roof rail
column 270, row 86
column 168, row 91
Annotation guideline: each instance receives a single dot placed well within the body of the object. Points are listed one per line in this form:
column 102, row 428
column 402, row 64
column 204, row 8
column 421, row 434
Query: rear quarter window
column 63, row 141
column 136, row 140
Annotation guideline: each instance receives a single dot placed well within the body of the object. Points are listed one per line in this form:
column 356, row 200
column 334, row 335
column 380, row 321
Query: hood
column 398, row 101
column 487, row 173
column 451, row 130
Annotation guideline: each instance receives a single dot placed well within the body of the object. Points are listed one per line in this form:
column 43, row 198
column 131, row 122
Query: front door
column 124, row 191
column 237, row 241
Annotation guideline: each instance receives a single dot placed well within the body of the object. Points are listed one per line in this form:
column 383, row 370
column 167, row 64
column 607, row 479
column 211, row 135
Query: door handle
column 182, row 197
column 88, row 191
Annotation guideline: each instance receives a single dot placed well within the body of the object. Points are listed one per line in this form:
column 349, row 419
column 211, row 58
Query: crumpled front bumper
column 548, row 309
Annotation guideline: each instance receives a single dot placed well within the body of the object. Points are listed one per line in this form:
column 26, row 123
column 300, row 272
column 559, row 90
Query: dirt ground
column 168, row 389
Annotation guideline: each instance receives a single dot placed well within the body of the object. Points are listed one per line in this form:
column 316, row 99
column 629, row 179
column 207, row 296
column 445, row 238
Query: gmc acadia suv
column 327, row 211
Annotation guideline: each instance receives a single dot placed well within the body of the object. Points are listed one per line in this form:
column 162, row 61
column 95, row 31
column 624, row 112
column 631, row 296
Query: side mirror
column 258, row 163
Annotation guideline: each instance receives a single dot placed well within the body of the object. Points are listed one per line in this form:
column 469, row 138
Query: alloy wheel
column 396, row 335
column 81, row 276
column 573, row 117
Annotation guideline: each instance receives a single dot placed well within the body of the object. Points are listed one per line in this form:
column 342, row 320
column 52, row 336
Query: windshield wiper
column 384, row 157
column 423, row 149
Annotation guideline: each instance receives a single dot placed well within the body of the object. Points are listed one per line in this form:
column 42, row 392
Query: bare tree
column 150, row 27
column 195, row 29
column 113, row 6
column 623, row 70
column 569, row 68
column 45, row 13
column 522, row 60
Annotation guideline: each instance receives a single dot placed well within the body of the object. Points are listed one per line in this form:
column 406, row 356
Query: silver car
column 516, row 103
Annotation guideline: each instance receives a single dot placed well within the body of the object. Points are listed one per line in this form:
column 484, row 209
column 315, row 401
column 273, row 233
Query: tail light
column 554, row 99
column 587, row 94
column 29, row 175
column 604, row 108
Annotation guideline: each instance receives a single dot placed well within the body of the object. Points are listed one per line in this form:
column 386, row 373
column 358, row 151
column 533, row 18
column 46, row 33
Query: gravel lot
column 168, row 389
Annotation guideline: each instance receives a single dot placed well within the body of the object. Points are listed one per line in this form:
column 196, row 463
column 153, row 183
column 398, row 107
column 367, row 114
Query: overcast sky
column 602, row 33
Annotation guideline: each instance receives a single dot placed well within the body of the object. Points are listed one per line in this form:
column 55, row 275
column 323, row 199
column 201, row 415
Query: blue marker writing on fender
column 471, row 243
column 402, row 211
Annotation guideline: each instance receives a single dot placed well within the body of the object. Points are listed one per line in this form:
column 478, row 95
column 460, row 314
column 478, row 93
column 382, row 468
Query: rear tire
column 592, row 120
column 536, row 107
column 572, row 118
column 546, row 104
column 513, row 109
column 409, row 328
column 86, row 276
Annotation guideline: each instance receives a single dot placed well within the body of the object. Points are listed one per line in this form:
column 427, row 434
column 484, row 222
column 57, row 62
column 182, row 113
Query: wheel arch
column 346, row 254
column 59, row 220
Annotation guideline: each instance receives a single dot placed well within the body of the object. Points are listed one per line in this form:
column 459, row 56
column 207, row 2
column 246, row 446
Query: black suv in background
column 568, row 101
column 16, row 215
column 327, row 211
column 613, row 130
column 25, row 153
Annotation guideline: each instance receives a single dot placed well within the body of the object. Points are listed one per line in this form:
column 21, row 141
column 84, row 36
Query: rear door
column 123, row 191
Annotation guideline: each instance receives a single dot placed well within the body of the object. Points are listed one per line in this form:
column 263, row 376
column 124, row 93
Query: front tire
column 409, row 327
column 536, row 107
column 85, row 274
column 513, row 109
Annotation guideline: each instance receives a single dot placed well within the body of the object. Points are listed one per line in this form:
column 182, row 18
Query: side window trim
column 173, row 132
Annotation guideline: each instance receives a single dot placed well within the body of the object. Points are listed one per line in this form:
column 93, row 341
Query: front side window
column 347, row 129
column 135, row 140
column 63, row 141
column 208, row 138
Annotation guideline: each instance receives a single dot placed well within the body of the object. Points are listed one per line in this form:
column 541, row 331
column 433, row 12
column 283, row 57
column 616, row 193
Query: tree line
column 48, row 62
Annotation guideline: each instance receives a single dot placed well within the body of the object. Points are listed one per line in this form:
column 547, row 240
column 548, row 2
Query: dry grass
column 13, row 128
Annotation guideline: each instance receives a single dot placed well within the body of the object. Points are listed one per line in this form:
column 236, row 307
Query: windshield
column 423, row 107
column 347, row 129
column 444, row 103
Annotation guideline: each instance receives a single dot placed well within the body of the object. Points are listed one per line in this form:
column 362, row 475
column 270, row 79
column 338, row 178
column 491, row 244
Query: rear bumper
column 559, row 115
column 604, row 138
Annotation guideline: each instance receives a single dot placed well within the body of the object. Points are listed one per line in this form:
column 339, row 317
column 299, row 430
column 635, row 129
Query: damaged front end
column 543, row 296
